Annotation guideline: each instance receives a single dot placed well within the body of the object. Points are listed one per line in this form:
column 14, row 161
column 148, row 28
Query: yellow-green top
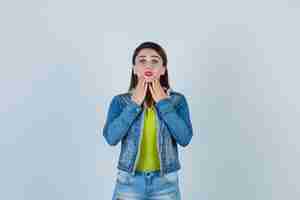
column 149, row 158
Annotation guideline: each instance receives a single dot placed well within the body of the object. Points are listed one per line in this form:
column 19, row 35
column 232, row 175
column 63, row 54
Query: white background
column 237, row 62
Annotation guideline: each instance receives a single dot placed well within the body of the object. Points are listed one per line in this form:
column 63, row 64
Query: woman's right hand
column 140, row 91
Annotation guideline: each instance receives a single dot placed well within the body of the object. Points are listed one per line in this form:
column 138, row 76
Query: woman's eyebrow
column 156, row 57
column 151, row 56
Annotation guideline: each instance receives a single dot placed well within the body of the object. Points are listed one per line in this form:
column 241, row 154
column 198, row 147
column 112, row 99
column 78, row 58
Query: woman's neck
column 149, row 101
column 147, row 105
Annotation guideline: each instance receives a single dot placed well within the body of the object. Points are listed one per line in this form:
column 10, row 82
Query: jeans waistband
column 148, row 173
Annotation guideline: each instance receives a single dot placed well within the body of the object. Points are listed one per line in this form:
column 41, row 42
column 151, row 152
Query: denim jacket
column 125, row 120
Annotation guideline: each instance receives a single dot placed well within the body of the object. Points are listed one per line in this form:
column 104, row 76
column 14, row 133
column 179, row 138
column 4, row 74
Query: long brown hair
column 164, row 79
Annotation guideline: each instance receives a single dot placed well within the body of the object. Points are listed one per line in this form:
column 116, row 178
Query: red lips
column 148, row 73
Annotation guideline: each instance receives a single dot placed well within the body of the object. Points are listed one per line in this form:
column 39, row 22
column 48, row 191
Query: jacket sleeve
column 119, row 120
column 177, row 119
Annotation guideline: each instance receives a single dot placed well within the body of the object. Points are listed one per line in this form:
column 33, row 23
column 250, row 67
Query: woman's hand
column 140, row 91
column 157, row 91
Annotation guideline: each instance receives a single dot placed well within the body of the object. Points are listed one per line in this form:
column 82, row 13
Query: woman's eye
column 155, row 61
column 142, row 61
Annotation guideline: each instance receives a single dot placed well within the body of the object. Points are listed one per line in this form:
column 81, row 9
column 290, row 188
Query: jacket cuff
column 134, row 106
column 164, row 106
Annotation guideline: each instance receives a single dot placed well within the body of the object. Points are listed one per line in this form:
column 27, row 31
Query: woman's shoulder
column 173, row 92
column 123, row 97
column 175, row 97
column 179, row 98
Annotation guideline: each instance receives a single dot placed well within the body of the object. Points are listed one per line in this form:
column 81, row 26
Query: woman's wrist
column 135, row 101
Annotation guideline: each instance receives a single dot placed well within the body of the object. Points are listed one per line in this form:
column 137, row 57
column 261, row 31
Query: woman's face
column 149, row 64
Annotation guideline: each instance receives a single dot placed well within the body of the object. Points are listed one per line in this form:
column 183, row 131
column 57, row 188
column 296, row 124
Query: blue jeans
column 146, row 186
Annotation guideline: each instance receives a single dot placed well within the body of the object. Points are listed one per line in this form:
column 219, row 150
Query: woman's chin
column 149, row 78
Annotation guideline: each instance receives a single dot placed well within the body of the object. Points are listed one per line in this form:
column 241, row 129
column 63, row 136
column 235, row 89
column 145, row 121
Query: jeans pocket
column 124, row 178
column 171, row 177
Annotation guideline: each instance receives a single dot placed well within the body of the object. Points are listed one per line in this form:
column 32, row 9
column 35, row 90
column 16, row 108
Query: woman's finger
column 152, row 91
column 145, row 87
column 155, row 86
column 159, row 85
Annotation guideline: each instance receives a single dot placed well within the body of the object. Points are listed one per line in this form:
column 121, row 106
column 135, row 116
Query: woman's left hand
column 157, row 91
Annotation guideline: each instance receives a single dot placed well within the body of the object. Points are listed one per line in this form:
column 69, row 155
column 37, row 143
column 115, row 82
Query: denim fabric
column 125, row 121
column 146, row 186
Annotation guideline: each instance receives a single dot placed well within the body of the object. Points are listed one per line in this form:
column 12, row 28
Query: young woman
column 149, row 120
